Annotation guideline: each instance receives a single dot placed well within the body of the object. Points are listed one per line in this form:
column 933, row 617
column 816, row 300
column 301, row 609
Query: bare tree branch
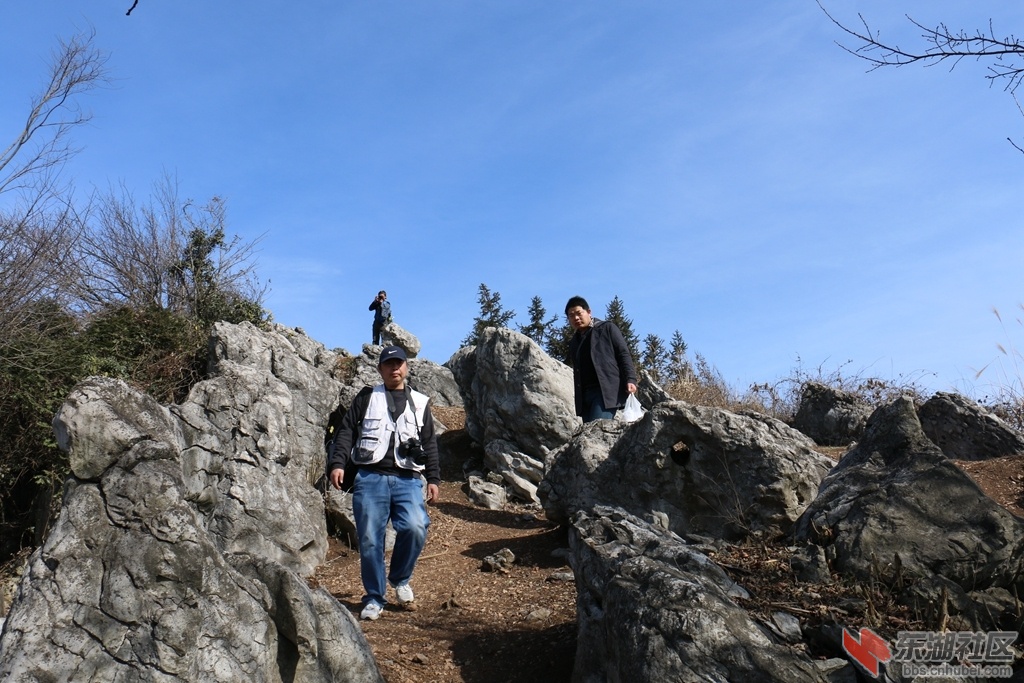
column 76, row 67
column 37, row 266
column 940, row 44
column 141, row 256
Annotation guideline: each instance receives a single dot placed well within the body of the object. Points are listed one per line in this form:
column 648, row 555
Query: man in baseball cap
column 388, row 434
column 389, row 352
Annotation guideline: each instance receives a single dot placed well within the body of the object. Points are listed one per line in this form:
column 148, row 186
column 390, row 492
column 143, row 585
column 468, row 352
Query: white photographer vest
column 378, row 427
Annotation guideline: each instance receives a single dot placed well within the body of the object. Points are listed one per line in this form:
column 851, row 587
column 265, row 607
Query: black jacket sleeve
column 622, row 356
column 429, row 439
column 347, row 432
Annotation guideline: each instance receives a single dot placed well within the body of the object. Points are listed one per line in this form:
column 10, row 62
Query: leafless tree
column 212, row 263
column 128, row 249
column 75, row 68
column 36, row 264
column 38, row 225
column 146, row 255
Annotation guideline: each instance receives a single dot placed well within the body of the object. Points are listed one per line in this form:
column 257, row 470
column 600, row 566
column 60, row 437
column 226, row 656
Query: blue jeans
column 376, row 499
column 593, row 406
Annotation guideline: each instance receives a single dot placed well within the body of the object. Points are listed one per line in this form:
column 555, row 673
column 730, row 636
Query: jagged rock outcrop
column 521, row 472
column 649, row 392
column 185, row 531
column 964, row 430
column 513, row 390
column 518, row 401
column 650, row 608
column 897, row 509
column 830, row 416
column 358, row 371
column 394, row 335
column 697, row 470
column 436, row 381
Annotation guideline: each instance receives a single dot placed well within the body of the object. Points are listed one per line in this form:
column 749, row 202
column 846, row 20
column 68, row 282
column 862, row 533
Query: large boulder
column 651, row 608
column 394, row 335
column 518, row 401
column 696, row 470
column 436, row 381
column 964, row 430
column 186, row 530
column 249, row 431
column 897, row 509
column 831, row 416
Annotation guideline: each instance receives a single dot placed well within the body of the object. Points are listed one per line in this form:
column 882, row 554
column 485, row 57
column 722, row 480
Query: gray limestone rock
column 830, row 416
column 185, row 531
column 394, row 335
column 705, row 470
column 519, row 471
column 650, row 608
column 964, row 430
column 514, row 391
column 897, row 509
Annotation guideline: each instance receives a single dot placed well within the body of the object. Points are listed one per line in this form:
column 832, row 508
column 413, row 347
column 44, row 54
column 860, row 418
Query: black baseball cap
column 389, row 352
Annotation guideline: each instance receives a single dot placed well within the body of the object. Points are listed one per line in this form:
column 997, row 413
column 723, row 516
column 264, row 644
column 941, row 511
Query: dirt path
column 472, row 625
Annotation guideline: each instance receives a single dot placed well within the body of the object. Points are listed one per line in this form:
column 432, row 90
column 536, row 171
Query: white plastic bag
column 633, row 410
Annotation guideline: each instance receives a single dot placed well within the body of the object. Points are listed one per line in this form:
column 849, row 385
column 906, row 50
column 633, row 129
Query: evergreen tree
column 558, row 342
column 656, row 357
column 616, row 313
column 678, row 367
column 538, row 329
column 492, row 314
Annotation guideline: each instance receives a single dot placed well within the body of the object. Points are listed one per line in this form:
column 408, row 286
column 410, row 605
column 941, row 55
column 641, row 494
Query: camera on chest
column 413, row 449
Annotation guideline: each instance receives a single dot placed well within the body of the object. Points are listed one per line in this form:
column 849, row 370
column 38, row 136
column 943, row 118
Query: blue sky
column 722, row 167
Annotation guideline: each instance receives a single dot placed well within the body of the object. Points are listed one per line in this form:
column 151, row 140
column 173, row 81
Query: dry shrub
column 344, row 368
column 702, row 385
column 780, row 399
column 1007, row 389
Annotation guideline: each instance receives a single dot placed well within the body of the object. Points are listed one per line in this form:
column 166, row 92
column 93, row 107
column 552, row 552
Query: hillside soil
column 471, row 624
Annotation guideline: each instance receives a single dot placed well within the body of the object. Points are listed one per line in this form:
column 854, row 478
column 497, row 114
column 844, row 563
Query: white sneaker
column 404, row 593
column 371, row 611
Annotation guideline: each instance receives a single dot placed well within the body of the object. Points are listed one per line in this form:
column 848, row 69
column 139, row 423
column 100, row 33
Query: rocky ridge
column 189, row 533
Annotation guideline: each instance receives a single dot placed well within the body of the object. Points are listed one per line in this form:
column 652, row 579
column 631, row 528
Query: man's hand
column 631, row 388
column 433, row 493
column 337, row 476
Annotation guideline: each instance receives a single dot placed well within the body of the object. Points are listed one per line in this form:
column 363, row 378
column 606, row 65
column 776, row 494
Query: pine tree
column 538, row 329
column 678, row 367
column 491, row 315
column 616, row 313
column 656, row 357
column 558, row 342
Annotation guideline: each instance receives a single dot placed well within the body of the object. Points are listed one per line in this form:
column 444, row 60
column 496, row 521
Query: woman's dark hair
column 577, row 301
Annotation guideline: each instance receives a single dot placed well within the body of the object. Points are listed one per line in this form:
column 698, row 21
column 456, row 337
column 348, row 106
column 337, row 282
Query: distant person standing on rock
column 381, row 314
column 602, row 367
column 387, row 437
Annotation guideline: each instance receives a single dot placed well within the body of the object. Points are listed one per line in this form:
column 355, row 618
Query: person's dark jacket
column 612, row 363
column 381, row 312
column 348, row 431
